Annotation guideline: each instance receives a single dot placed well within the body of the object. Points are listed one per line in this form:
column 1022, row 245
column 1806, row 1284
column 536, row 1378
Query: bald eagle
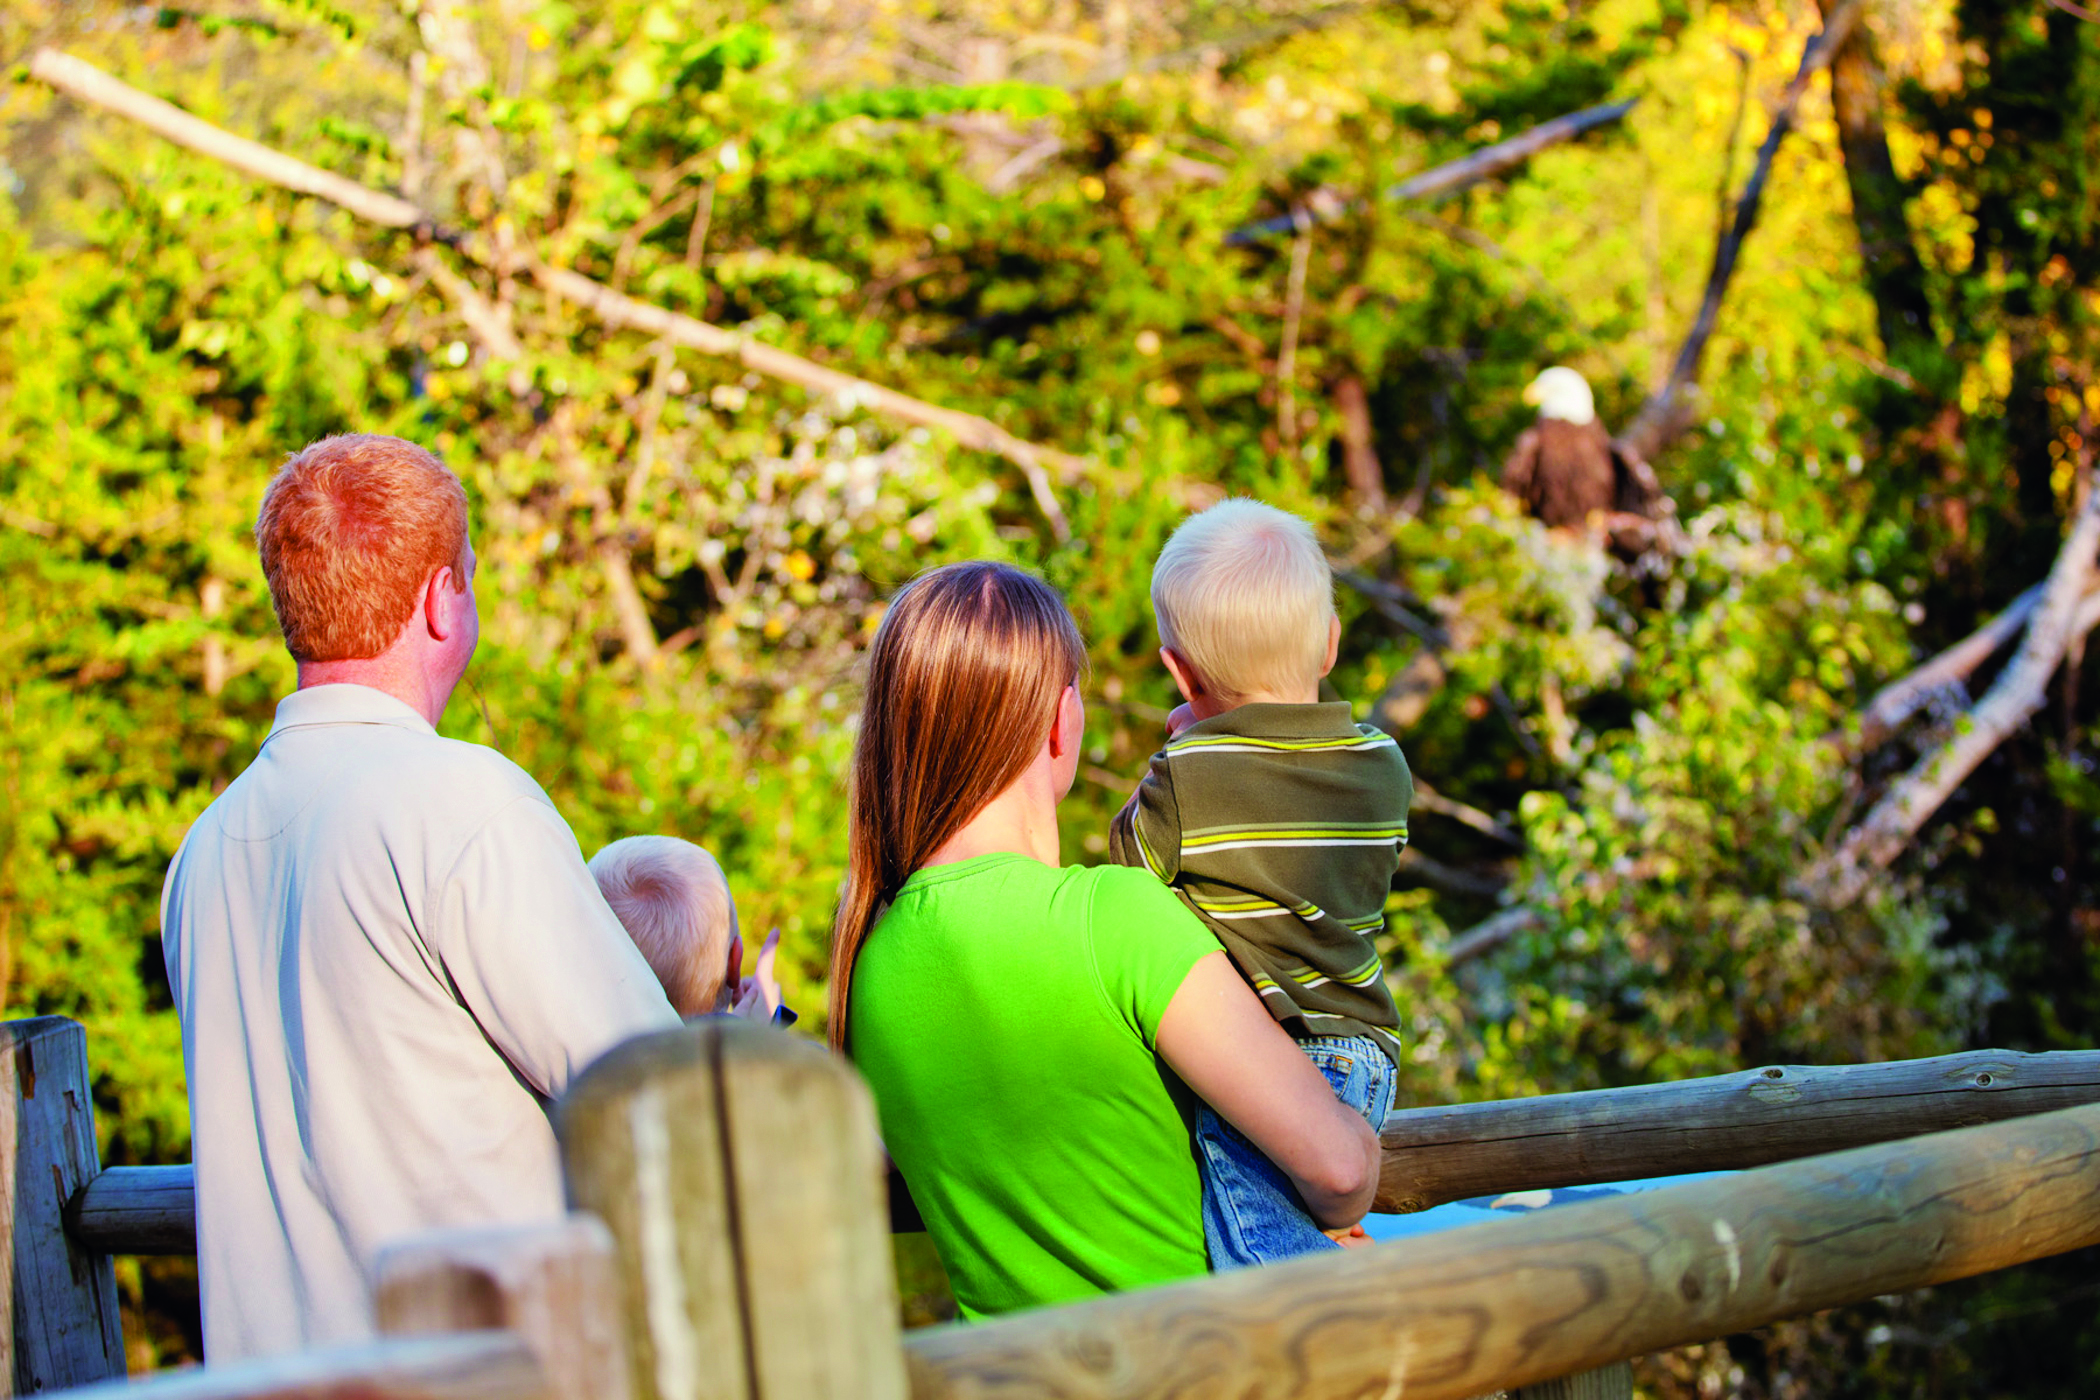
column 1566, row 468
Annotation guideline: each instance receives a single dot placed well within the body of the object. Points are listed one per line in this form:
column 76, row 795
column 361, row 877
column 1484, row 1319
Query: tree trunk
column 1359, row 458
column 1894, row 274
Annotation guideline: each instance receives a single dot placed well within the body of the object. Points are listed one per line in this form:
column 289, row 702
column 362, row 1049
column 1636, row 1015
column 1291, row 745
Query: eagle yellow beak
column 1532, row 395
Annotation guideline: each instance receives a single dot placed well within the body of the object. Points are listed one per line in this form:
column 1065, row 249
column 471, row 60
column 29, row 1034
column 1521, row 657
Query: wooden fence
column 730, row 1240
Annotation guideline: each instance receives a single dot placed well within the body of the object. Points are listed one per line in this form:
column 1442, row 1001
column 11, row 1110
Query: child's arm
column 1147, row 832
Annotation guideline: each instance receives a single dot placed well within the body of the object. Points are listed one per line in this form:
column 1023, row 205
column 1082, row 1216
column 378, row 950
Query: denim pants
column 1251, row 1212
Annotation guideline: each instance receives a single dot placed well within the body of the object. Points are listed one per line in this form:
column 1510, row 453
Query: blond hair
column 1243, row 592
column 963, row 683
column 674, row 902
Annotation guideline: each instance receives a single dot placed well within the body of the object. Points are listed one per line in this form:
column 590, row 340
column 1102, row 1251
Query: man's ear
column 441, row 604
column 1334, row 644
column 1185, row 678
column 1063, row 730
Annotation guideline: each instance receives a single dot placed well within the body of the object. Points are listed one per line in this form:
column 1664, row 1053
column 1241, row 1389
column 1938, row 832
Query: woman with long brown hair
column 1032, row 1033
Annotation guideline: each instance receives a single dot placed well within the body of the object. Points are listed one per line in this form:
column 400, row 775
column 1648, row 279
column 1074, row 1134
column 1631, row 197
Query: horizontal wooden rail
column 1514, row 1302
column 1435, row 1155
column 136, row 1210
column 485, row 1365
column 1728, row 1122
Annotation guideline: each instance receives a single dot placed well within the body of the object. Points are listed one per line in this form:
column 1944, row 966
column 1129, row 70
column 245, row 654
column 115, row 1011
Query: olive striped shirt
column 1282, row 826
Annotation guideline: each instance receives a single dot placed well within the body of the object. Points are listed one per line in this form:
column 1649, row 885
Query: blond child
column 673, row 900
column 1280, row 820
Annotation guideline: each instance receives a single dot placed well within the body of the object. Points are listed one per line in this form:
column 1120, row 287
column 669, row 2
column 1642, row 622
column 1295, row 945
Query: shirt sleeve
column 1144, row 940
column 536, row 956
column 1147, row 832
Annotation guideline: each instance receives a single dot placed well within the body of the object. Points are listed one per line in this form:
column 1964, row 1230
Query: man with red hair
column 384, row 946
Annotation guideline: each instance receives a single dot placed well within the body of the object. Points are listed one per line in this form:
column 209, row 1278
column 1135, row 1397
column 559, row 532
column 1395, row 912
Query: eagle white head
column 1562, row 393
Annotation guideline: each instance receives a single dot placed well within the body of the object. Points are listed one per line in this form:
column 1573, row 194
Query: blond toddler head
column 672, row 898
column 1245, row 600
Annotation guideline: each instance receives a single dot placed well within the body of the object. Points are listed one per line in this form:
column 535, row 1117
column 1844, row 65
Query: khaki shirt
column 387, row 956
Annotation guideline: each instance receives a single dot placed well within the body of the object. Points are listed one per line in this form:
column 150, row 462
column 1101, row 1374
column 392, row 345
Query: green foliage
column 684, row 560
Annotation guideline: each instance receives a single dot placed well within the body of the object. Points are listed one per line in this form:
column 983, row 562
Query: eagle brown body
column 1564, row 472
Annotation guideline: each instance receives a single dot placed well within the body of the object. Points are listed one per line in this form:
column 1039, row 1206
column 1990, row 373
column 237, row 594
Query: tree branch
column 1327, row 204
column 1419, row 869
column 1490, row 934
column 1429, row 799
column 90, row 85
column 1661, row 418
column 1842, row 876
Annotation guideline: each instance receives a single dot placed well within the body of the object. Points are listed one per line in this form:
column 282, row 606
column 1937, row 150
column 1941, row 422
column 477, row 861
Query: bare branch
column 1429, row 799
column 1287, row 355
column 89, row 84
column 1327, row 205
column 1419, row 869
column 1900, row 699
column 1490, row 934
column 1842, row 876
column 489, row 323
column 1661, row 418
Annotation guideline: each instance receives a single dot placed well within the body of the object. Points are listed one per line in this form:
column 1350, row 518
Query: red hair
column 350, row 530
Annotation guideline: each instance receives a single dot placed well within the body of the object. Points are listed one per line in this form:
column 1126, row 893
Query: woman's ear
column 1068, row 726
column 1334, row 643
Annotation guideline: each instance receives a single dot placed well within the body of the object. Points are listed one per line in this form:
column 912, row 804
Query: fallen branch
column 1490, row 934
column 88, row 84
column 1392, row 603
column 1900, row 699
column 1429, row 799
column 1841, row 877
column 1418, row 869
column 1327, row 204
column 1661, row 418
column 1896, row 702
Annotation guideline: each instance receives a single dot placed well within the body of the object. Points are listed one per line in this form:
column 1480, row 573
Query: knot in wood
column 1774, row 1072
column 1691, row 1288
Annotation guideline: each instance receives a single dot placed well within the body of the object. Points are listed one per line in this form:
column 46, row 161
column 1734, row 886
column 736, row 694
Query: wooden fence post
column 553, row 1285
column 64, row 1328
column 738, row 1169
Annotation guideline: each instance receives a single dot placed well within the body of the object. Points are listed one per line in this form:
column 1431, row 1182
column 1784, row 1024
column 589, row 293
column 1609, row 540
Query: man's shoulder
column 453, row 772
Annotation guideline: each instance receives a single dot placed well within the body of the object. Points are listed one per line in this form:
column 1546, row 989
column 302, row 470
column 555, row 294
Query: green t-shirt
column 1005, row 1015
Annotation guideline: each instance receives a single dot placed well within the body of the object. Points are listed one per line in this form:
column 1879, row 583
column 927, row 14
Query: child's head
column 1245, row 599
column 674, row 903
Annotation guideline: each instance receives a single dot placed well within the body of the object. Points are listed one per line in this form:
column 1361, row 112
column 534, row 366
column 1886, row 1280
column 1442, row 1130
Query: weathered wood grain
column 464, row 1366
column 738, row 1170
column 62, row 1298
column 1731, row 1121
column 136, row 1210
column 553, row 1286
column 1512, row 1303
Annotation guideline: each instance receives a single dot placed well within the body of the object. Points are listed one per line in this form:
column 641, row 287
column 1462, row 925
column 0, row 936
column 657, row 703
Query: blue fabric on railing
column 1481, row 1209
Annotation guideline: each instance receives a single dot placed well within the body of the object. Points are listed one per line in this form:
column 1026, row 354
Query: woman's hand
column 1224, row 1045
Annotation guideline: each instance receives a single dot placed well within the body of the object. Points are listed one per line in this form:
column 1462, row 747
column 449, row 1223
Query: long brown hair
column 962, row 688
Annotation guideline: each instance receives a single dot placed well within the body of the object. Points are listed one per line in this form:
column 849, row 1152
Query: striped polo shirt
column 1282, row 826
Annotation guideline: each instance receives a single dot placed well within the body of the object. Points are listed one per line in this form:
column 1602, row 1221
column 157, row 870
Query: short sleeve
column 1147, row 832
column 1144, row 940
column 536, row 956
column 1403, row 787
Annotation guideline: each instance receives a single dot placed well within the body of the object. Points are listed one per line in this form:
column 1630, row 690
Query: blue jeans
column 1251, row 1212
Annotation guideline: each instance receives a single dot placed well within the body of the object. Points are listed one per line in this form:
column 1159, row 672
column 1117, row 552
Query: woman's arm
column 1217, row 1037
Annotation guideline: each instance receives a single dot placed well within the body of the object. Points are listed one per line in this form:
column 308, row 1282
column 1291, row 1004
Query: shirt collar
column 1326, row 719
column 345, row 703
